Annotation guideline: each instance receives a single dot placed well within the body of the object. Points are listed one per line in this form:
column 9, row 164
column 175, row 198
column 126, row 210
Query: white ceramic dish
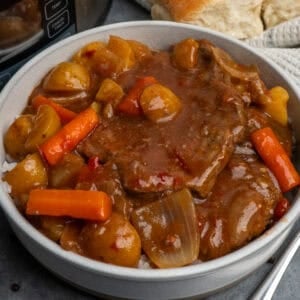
column 103, row 279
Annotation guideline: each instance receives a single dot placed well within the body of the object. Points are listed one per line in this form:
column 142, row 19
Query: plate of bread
column 242, row 19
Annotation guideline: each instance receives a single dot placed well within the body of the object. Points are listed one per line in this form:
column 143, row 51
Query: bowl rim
column 109, row 270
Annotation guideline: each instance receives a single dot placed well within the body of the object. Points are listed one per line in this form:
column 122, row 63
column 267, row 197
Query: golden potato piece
column 45, row 125
column 96, row 106
column 108, row 111
column 159, row 103
column 109, row 91
column 85, row 55
column 28, row 174
column 185, row 54
column 123, row 50
column 140, row 50
column 52, row 227
column 65, row 173
column 67, row 77
column 16, row 135
column 277, row 107
column 70, row 235
column 106, row 63
column 115, row 241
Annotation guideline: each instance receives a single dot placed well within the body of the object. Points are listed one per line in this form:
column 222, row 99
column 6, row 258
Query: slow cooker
column 27, row 26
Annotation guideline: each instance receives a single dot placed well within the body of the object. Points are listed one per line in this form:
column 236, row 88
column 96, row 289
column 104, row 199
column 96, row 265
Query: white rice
column 5, row 186
column 7, row 166
column 144, row 262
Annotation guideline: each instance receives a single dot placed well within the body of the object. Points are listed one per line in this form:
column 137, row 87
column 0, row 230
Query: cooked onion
column 241, row 72
column 245, row 73
column 168, row 230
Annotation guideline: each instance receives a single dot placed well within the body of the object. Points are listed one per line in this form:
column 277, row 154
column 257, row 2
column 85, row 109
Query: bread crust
column 182, row 10
column 239, row 18
column 278, row 11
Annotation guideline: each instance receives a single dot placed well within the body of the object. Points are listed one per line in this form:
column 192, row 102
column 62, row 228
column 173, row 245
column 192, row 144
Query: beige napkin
column 280, row 43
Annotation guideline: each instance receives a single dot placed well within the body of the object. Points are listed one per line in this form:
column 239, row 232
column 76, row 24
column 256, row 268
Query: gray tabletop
column 22, row 277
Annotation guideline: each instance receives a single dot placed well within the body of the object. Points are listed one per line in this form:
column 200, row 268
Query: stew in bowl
column 145, row 158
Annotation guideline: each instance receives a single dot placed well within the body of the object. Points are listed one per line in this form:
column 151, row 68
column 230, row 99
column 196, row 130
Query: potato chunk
column 109, row 91
column 85, row 55
column 122, row 49
column 65, row 173
column 141, row 51
column 46, row 124
column 185, row 54
column 16, row 135
column 106, row 63
column 277, row 108
column 116, row 241
column 159, row 103
column 69, row 238
column 52, row 227
column 28, row 174
column 67, row 77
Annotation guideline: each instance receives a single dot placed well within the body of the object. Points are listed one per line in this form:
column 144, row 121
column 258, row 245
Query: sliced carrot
column 65, row 114
column 67, row 138
column 89, row 205
column 130, row 103
column 275, row 157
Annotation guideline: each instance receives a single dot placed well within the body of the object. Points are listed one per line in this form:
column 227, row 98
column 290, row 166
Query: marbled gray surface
column 22, row 277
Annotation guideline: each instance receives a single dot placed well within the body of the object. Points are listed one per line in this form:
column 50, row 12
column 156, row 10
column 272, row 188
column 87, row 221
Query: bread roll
column 239, row 18
column 278, row 11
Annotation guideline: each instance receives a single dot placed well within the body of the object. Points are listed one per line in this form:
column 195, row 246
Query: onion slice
column 168, row 230
column 244, row 73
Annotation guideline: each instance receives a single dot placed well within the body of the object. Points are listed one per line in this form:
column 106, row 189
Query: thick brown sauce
column 187, row 151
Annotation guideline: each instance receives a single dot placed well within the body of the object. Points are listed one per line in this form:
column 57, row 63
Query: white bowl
column 104, row 279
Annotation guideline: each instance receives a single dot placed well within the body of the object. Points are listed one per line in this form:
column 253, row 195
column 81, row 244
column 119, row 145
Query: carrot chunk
column 273, row 154
column 65, row 114
column 89, row 205
column 130, row 104
column 67, row 138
